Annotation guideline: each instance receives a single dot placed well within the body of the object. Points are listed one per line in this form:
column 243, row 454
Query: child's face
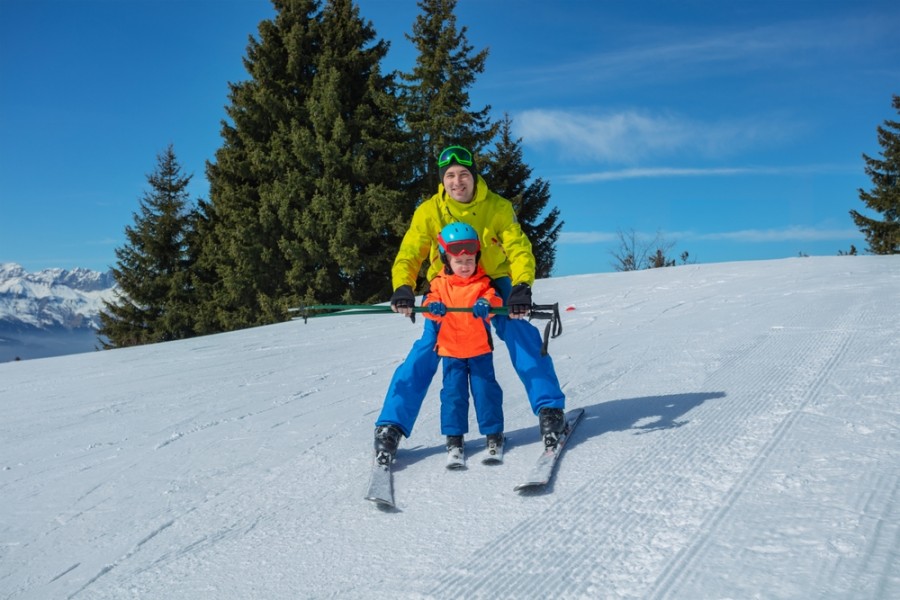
column 463, row 265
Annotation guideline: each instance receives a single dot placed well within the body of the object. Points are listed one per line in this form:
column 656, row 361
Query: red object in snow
column 570, row 307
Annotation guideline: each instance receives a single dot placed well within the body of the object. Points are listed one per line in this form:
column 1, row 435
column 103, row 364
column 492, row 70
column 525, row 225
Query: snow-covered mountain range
column 51, row 312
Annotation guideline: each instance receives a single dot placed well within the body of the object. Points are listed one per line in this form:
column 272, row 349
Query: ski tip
column 381, row 503
column 574, row 414
column 531, row 486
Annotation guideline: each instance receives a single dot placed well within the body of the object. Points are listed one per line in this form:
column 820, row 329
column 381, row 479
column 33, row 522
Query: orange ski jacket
column 461, row 335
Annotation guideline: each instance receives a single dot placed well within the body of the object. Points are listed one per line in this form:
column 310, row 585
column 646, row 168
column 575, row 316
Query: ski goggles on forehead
column 456, row 154
column 461, row 247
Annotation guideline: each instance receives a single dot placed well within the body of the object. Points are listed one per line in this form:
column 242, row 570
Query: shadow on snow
column 640, row 415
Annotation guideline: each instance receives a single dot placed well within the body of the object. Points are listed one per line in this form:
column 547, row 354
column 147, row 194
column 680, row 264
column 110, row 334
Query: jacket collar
column 456, row 279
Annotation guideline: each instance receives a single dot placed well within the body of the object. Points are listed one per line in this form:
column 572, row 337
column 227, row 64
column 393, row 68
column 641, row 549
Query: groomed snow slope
column 741, row 440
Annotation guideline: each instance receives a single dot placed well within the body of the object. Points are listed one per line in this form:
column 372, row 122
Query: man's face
column 459, row 184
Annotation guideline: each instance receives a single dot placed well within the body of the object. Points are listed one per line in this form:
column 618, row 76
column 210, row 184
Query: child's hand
column 481, row 309
column 438, row 309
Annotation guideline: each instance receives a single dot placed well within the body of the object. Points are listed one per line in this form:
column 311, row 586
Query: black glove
column 403, row 297
column 519, row 302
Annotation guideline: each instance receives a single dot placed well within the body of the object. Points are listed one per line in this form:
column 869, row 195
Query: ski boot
column 456, row 454
column 553, row 425
column 494, row 446
column 387, row 438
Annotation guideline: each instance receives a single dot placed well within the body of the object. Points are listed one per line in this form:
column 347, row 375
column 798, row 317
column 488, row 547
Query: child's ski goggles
column 461, row 247
column 456, row 154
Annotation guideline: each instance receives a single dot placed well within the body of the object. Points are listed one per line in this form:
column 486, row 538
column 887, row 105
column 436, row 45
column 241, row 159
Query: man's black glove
column 519, row 302
column 403, row 297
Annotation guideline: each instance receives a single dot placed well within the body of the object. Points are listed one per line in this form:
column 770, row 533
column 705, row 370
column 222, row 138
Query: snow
column 741, row 440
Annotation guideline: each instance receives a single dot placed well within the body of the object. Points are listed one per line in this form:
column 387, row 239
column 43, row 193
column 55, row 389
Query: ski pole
column 372, row 309
column 538, row 311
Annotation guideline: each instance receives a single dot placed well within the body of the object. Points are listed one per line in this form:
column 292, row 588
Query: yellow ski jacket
column 505, row 250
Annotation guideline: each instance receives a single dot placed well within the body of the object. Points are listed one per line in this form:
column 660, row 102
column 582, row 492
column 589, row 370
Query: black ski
column 543, row 469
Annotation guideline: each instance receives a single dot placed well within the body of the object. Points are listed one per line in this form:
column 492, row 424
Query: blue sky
column 733, row 128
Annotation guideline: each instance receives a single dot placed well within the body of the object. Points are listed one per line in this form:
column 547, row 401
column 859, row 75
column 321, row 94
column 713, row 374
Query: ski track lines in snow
column 109, row 465
column 207, row 507
column 830, row 532
column 704, row 470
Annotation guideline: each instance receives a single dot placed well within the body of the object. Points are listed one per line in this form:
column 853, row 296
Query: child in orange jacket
column 464, row 343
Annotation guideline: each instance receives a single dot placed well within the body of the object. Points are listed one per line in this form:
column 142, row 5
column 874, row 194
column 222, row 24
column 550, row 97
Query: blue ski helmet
column 456, row 239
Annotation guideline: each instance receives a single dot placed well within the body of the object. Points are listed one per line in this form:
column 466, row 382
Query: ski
column 542, row 470
column 494, row 453
column 381, row 485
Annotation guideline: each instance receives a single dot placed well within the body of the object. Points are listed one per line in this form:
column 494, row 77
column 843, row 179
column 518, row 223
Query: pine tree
column 508, row 176
column 437, row 108
column 203, row 274
column 304, row 200
column 244, row 270
column 153, row 270
column 357, row 212
column 883, row 236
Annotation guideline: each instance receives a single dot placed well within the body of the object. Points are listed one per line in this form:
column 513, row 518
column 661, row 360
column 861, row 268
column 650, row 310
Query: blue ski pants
column 459, row 375
column 410, row 382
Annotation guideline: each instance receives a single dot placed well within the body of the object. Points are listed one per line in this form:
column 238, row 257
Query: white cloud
column 785, row 234
column 615, row 137
column 631, row 135
column 745, row 236
column 587, row 237
column 656, row 172
column 628, row 135
column 652, row 172
column 669, row 54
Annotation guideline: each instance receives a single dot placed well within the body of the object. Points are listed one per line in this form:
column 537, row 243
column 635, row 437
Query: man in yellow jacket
column 507, row 257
